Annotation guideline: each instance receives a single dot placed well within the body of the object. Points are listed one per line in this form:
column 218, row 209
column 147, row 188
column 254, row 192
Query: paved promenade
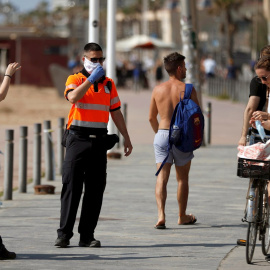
column 126, row 226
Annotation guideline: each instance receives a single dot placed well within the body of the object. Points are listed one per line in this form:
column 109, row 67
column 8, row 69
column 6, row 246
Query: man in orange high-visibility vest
column 93, row 97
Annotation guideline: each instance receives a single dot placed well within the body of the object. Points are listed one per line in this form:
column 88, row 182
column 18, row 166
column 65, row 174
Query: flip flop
column 160, row 227
column 191, row 222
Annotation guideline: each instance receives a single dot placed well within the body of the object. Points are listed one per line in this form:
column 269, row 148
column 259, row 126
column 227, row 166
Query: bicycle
column 257, row 212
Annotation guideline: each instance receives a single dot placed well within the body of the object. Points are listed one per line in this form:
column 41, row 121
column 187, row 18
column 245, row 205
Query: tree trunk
column 230, row 32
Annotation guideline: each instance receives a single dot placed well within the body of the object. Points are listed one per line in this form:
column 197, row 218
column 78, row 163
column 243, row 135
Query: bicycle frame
column 253, row 202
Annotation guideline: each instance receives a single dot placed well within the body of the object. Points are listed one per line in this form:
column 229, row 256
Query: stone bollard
column 209, row 117
column 8, row 175
column 49, row 155
column 23, row 159
column 60, row 148
column 37, row 155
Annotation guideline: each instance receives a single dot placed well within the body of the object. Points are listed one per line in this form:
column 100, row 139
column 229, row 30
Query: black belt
column 85, row 135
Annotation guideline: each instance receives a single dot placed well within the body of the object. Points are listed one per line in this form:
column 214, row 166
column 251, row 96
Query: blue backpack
column 186, row 127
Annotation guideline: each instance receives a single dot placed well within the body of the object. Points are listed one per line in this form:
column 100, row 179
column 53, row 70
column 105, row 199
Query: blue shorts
column 176, row 156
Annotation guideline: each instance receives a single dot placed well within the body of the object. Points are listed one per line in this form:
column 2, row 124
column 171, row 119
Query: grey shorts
column 176, row 156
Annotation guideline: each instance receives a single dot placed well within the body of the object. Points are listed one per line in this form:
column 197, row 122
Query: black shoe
column 91, row 243
column 61, row 242
column 267, row 258
column 6, row 255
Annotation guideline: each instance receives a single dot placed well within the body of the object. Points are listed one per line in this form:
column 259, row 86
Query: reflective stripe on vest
column 93, row 109
column 71, row 86
column 114, row 100
column 88, row 106
column 88, row 124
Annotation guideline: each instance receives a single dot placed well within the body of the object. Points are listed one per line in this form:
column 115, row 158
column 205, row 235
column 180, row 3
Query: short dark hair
column 173, row 61
column 263, row 63
column 89, row 47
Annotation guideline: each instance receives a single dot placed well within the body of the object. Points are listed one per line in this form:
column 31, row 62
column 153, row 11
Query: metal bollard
column 209, row 114
column 49, row 158
column 60, row 148
column 37, row 155
column 23, row 159
column 8, row 175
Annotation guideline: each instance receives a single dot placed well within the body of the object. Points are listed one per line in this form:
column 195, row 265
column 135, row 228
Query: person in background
column 158, row 71
column 11, row 69
column 231, row 72
column 209, row 67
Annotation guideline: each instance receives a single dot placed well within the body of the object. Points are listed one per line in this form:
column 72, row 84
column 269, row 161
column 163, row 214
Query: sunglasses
column 96, row 59
column 263, row 78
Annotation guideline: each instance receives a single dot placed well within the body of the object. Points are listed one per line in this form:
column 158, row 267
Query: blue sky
column 26, row 5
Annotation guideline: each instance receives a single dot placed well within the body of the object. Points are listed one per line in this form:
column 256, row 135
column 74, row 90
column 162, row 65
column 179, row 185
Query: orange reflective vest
column 92, row 110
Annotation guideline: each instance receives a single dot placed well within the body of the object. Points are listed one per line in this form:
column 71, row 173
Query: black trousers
column 85, row 165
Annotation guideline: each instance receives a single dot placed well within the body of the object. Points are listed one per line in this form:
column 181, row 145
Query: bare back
column 165, row 98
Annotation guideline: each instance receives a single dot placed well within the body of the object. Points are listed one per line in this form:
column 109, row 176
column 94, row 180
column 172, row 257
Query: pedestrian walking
column 164, row 99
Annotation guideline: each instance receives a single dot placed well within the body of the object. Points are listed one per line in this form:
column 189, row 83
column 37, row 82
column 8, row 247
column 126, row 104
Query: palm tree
column 40, row 18
column 225, row 8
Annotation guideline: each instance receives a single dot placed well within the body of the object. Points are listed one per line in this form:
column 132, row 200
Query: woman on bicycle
column 262, row 69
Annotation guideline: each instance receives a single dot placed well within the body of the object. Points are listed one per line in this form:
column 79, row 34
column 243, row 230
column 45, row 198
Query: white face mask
column 90, row 66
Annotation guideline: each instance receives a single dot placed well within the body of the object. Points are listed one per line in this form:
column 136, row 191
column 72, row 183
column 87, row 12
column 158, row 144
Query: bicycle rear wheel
column 252, row 217
column 265, row 223
column 251, row 240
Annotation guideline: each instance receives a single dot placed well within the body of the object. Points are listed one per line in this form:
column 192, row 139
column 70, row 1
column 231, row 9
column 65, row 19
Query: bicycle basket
column 252, row 168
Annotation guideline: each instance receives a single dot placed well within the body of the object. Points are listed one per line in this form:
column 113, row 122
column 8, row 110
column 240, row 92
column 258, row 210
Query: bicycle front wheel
column 251, row 240
column 265, row 223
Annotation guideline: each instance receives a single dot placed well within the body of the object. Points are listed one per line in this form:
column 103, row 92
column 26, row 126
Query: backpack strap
column 188, row 90
column 169, row 143
column 163, row 162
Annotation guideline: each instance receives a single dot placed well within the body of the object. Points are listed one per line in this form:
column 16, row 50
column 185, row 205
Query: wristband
column 8, row 75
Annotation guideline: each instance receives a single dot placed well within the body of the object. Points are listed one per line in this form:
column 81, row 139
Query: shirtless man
column 165, row 97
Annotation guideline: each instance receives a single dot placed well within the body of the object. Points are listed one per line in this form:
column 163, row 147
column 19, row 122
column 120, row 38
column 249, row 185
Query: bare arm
column 11, row 69
column 194, row 96
column 119, row 121
column 153, row 112
column 251, row 107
